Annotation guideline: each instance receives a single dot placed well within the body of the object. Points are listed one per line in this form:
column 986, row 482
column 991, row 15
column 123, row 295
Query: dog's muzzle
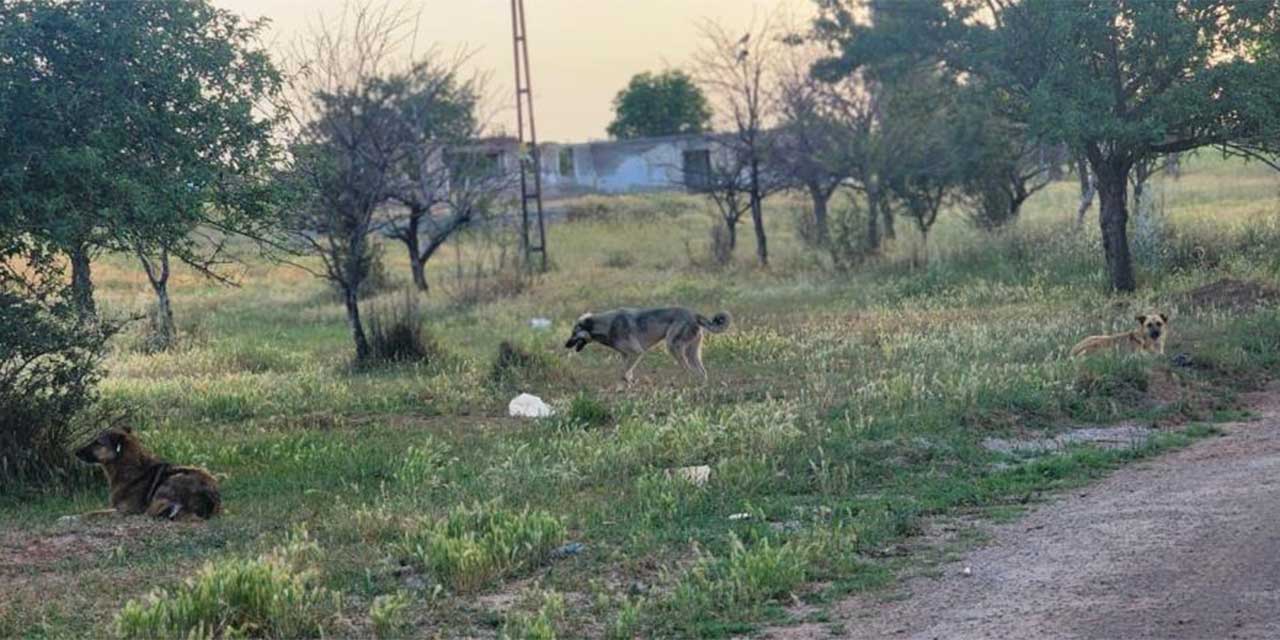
column 1154, row 333
column 85, row 455
column 578, row 341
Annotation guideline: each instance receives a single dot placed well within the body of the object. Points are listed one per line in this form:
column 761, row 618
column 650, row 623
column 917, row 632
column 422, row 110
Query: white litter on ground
column 540, row 323
column 528, row 406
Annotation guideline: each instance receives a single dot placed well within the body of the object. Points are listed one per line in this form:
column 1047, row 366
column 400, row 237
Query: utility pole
column 530, row 158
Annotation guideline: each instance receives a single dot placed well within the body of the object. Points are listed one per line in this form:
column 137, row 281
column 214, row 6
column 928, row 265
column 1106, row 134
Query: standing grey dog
column 632, row 332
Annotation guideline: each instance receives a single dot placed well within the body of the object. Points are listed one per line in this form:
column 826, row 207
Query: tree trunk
column 410, row 239
column 82, row 281
column 757, row 215
column 886, row 215
column 357, row 327
column 1088, row 185
column 419, row 271
column 163, row 323
column 420, row 265
column 820, row 200
column 163, row 330
column 873, row 221
column 1113, row 184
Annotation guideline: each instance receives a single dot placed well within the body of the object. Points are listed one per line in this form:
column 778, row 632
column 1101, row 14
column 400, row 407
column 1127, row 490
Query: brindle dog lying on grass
column 139, row 482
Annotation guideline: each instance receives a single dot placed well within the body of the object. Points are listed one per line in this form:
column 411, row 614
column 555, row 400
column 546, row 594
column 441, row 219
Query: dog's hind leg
column 676, row 349
column 693, row 355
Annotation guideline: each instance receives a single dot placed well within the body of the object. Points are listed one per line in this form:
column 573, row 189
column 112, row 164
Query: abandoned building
column 667, row 163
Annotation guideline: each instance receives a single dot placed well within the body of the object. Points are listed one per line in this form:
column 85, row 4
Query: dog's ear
column 128, row 430
column 1140, row 319
column 1163, row 318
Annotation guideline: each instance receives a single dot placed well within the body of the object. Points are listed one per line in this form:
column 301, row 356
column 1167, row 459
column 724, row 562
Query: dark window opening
column 566, row 161
column 697, row 168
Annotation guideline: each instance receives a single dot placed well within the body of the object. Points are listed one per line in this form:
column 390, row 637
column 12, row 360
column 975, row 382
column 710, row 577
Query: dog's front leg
column 632, row 359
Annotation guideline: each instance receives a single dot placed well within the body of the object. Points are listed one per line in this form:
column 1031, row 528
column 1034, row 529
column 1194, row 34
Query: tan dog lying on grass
column 1148, row 337
column 139, row 482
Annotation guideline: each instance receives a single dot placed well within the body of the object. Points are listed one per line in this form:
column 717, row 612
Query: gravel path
column 1183, row 546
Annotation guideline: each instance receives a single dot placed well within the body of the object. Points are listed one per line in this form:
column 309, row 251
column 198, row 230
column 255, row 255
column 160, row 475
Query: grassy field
column 844, row 411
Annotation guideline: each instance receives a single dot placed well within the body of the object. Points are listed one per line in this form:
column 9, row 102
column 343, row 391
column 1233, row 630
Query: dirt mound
column 1229, row 293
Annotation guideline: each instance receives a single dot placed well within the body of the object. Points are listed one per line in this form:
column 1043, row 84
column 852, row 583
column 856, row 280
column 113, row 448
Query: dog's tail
column 717, row 323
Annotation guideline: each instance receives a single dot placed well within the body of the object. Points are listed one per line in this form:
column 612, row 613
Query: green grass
column 267, row 597
column 844, row 411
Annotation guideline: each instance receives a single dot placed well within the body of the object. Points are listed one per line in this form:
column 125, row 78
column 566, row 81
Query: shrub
column 618, row 260
column 719, row 245
column 268, row 597
column 806, row 227
column 397, row 333
column 848, row 243
column 515, row 365
column 472, row 546
column 48, row 369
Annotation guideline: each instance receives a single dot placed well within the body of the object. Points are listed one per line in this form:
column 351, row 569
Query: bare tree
column 727, row 183
column 448, row 177
column 736, row 72
column 346, row 143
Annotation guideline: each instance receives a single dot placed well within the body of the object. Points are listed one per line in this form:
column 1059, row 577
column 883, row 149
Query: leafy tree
column 1119, row 81
column 920, row 115
column 999, row 166
column 130, row 124
column 661, row 104
column 812, row 151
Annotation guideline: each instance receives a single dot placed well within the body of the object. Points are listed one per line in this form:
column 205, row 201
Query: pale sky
column 582, row 52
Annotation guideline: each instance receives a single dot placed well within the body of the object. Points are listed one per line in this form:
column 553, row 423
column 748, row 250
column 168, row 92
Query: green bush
column 48, row 372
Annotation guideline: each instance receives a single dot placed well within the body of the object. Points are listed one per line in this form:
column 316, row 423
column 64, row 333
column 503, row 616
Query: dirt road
column 1183, row 546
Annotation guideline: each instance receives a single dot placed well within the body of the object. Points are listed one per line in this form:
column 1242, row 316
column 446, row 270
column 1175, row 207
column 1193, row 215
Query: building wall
column 623, row 166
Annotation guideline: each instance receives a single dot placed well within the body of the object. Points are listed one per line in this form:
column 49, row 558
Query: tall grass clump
column 541, row 625
column 397, row 333
column 472, row 546
column 736, row 585
column 515, row 366
column 585, row 411
column 387, row 613
column 273, row 596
